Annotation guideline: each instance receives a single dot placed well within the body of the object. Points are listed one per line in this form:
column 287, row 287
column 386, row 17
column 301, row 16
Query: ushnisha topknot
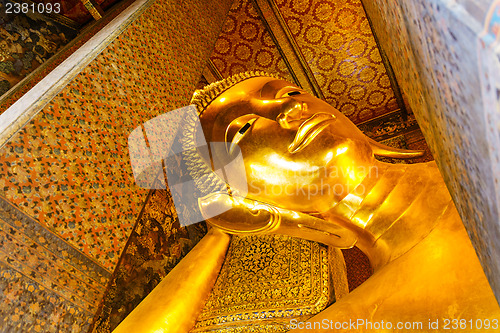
column 203, row 97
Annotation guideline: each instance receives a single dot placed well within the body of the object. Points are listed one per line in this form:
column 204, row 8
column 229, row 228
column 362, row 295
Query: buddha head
column 299, row 152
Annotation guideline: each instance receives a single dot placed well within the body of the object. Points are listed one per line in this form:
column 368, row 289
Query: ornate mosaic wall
column 69, row 167
column 69, row 170
column 436, row 50
column 245, row 44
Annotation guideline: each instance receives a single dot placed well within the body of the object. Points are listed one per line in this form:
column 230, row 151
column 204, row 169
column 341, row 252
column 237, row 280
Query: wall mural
column 27, row 41
column 244, row 44
column 155, row 246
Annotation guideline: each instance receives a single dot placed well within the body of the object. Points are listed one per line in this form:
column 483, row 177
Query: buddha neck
column 394, row 208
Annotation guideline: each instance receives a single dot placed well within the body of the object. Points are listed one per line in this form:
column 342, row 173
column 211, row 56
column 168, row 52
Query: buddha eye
column 289, row 91
column 244, row 128
column 292, row 93
column 237, row 130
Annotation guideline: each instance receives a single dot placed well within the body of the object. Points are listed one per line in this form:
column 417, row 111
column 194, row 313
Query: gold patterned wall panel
column 267, row 278
column 245, row 44
column 336, row 40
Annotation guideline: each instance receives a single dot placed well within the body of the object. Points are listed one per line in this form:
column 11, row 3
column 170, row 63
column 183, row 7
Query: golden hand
column 238, row 215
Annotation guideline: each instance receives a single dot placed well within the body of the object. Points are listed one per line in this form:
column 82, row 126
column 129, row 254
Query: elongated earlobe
column 386, row 151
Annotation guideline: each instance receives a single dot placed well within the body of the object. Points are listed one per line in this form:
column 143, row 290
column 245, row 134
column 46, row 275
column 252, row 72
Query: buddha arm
column 174, row 305
column 237, row 215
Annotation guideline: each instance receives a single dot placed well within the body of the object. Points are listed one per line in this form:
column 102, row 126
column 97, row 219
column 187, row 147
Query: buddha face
column 299, row 152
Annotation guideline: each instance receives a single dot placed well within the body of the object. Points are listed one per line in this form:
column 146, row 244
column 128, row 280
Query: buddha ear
column 386, row 151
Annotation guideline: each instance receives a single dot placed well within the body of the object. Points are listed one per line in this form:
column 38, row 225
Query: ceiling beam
column 211, row 73
column 94, row 9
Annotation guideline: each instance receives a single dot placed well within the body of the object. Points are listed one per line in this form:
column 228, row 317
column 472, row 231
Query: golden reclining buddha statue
column 312, row 174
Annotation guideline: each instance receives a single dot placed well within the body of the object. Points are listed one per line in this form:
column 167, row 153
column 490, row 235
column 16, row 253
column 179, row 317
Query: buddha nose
column 294, row 112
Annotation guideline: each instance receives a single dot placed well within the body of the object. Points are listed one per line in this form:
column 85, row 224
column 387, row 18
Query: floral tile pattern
column 336, row 40
column 245, row 44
